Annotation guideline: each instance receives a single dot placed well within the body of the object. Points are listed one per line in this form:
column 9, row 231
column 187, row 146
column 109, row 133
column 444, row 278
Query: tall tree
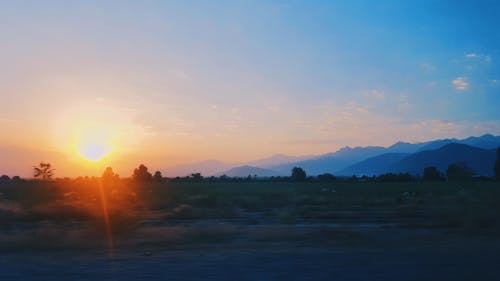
column 298, row 174
column 44, row 171
column 432, row 174
column 157, row 176
column 141, row 174
column 109, row 175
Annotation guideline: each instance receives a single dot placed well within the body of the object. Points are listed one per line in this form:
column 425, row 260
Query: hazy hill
column 373, row 165
column 277, row 159
column 480, row 160
column 215, row 167
column 208, row 167
column 332, row 162
column 405, row 147
column 433, row 145
column 19, row 161
column 348, row 161
column 244, row 171
column 487, row 141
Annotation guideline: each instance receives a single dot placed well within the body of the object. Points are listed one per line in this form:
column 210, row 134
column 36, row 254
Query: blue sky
column 239, row 80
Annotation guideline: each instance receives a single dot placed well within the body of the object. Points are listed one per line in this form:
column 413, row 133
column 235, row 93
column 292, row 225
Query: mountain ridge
column 338, row 162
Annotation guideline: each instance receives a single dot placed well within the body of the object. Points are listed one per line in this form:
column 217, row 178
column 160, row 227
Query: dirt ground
column 260, row 231
column 392, row 255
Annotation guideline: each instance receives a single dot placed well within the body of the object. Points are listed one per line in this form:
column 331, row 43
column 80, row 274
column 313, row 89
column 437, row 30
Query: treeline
column 454, row 172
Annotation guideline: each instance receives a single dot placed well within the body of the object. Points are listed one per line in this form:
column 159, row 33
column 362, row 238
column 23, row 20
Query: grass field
column 249, row 230
column 69, row 214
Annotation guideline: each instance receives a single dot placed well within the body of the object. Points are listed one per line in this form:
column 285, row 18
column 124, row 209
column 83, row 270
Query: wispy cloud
column 460, row 84
column 431, row 84
column 404, row 107
column 375, row 94
column 428, row 67
column 354, row 124
column 273, row 108
column 179, row 74
column 475, row 56
column 5, row 121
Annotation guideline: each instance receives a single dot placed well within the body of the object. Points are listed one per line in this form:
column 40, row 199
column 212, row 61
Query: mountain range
column 479, row 153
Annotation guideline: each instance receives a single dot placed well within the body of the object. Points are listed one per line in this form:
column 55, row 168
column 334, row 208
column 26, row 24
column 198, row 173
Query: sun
column 94, row 143
column 95, row 134
column 94, row 151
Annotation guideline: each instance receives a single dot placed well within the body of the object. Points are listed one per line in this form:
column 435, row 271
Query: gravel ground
column 456, row 260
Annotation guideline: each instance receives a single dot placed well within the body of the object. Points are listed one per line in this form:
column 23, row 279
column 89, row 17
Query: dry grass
column 69, row 214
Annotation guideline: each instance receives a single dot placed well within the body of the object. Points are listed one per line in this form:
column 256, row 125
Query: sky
column 171, row 82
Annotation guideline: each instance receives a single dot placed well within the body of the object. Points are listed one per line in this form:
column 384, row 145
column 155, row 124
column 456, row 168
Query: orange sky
column 164, row 83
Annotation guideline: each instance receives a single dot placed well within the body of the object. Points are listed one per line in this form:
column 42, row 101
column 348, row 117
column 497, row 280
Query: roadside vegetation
column 68, row 213
column 147, row 210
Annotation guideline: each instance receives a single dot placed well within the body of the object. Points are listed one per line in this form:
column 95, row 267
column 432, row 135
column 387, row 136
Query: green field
column 69, row 214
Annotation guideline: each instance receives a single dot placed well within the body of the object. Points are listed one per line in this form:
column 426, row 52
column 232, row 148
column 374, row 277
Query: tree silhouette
column 391, row 177
column 459, row 172
column 109, row 175
column 4, row 178
column 432, row 174
column 326, row 177
column 43, row 171
column 196, row 177
column 141, row 174
column 497, row 165
column 298, row 174
column 157, row 176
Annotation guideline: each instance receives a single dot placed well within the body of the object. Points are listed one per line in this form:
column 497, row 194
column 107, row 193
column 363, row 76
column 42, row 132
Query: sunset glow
column 263, row 139
column 155, row 86
column 94, row 151
column 95, row 142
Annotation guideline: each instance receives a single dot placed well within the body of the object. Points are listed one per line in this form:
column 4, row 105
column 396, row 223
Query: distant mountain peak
column 400, row 143
column 247, row 170
column 456, row 145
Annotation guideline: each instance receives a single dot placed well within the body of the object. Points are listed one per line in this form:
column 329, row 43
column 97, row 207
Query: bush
column 390, row 177
column 298, row 174
column 326, row 177
column 459, row 172
column 432, row 174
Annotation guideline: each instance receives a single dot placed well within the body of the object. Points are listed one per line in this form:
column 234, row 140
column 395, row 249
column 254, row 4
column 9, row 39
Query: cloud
column 8, row 121
column 375, row 94
column 179, row 74
column 460, row 84
column 428, row 67
column 355, row 124
column 273, row 108
column 431, row 84
column 475, row 56
column 404, row 107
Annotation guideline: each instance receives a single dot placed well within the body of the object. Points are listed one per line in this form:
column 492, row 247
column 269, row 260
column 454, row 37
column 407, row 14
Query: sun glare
column 94, row 151
column 94, row 143
column 95, row 133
